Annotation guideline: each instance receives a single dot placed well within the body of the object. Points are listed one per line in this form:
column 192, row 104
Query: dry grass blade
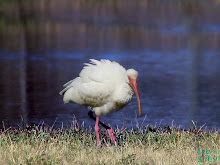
column 43, row 145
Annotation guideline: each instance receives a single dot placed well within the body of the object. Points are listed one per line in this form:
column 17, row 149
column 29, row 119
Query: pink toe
column 112, row 137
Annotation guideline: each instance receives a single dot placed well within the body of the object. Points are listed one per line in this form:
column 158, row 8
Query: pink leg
column 110, row 133
column 97, row 131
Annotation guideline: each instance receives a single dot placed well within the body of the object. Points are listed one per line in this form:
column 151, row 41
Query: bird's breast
column 123, row 95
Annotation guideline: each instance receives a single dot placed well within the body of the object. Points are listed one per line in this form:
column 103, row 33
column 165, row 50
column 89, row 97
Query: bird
column 106, row 87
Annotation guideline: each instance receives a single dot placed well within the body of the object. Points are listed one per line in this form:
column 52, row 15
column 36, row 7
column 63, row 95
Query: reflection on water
column 174, row 45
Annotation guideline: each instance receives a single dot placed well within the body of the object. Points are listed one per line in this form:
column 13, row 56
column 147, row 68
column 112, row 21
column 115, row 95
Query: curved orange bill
column 133, row 84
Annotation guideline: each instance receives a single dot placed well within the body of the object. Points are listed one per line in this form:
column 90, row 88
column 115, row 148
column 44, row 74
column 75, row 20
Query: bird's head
column 132, row 76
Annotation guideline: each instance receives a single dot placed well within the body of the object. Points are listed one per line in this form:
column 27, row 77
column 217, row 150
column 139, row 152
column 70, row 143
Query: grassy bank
column 76, row 146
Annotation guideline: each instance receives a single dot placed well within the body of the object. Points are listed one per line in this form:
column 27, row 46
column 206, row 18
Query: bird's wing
column 103, row 70
column 88, row 75
column 96, row 83
column 67, row 86
column 68, row 83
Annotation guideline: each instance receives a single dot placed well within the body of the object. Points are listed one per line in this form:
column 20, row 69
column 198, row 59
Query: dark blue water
column 173, row 46
column 166, row 93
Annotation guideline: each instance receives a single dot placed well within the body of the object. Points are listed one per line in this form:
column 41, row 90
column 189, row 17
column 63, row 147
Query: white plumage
column 105, row 86
column 102, row 85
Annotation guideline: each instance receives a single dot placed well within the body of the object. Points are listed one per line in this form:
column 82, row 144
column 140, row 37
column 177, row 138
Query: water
column 173, row 45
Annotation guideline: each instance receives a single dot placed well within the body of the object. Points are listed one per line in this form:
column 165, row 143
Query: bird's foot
column 109, row 133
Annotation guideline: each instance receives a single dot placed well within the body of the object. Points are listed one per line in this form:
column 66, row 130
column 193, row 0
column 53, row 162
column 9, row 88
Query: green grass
column 37, row 145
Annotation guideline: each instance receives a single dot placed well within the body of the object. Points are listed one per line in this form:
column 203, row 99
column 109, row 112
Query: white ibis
column 105, row 86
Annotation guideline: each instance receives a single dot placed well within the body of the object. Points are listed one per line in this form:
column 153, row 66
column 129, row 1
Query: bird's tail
column 64, row 90
column 67, row 86
column 70, row 92
column 68, row 83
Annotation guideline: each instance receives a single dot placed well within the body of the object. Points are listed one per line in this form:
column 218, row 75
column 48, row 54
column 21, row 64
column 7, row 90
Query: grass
column 44, row 145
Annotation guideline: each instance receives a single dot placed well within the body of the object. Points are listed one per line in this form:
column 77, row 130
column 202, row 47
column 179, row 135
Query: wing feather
column 68, row 83
column 96, row 83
